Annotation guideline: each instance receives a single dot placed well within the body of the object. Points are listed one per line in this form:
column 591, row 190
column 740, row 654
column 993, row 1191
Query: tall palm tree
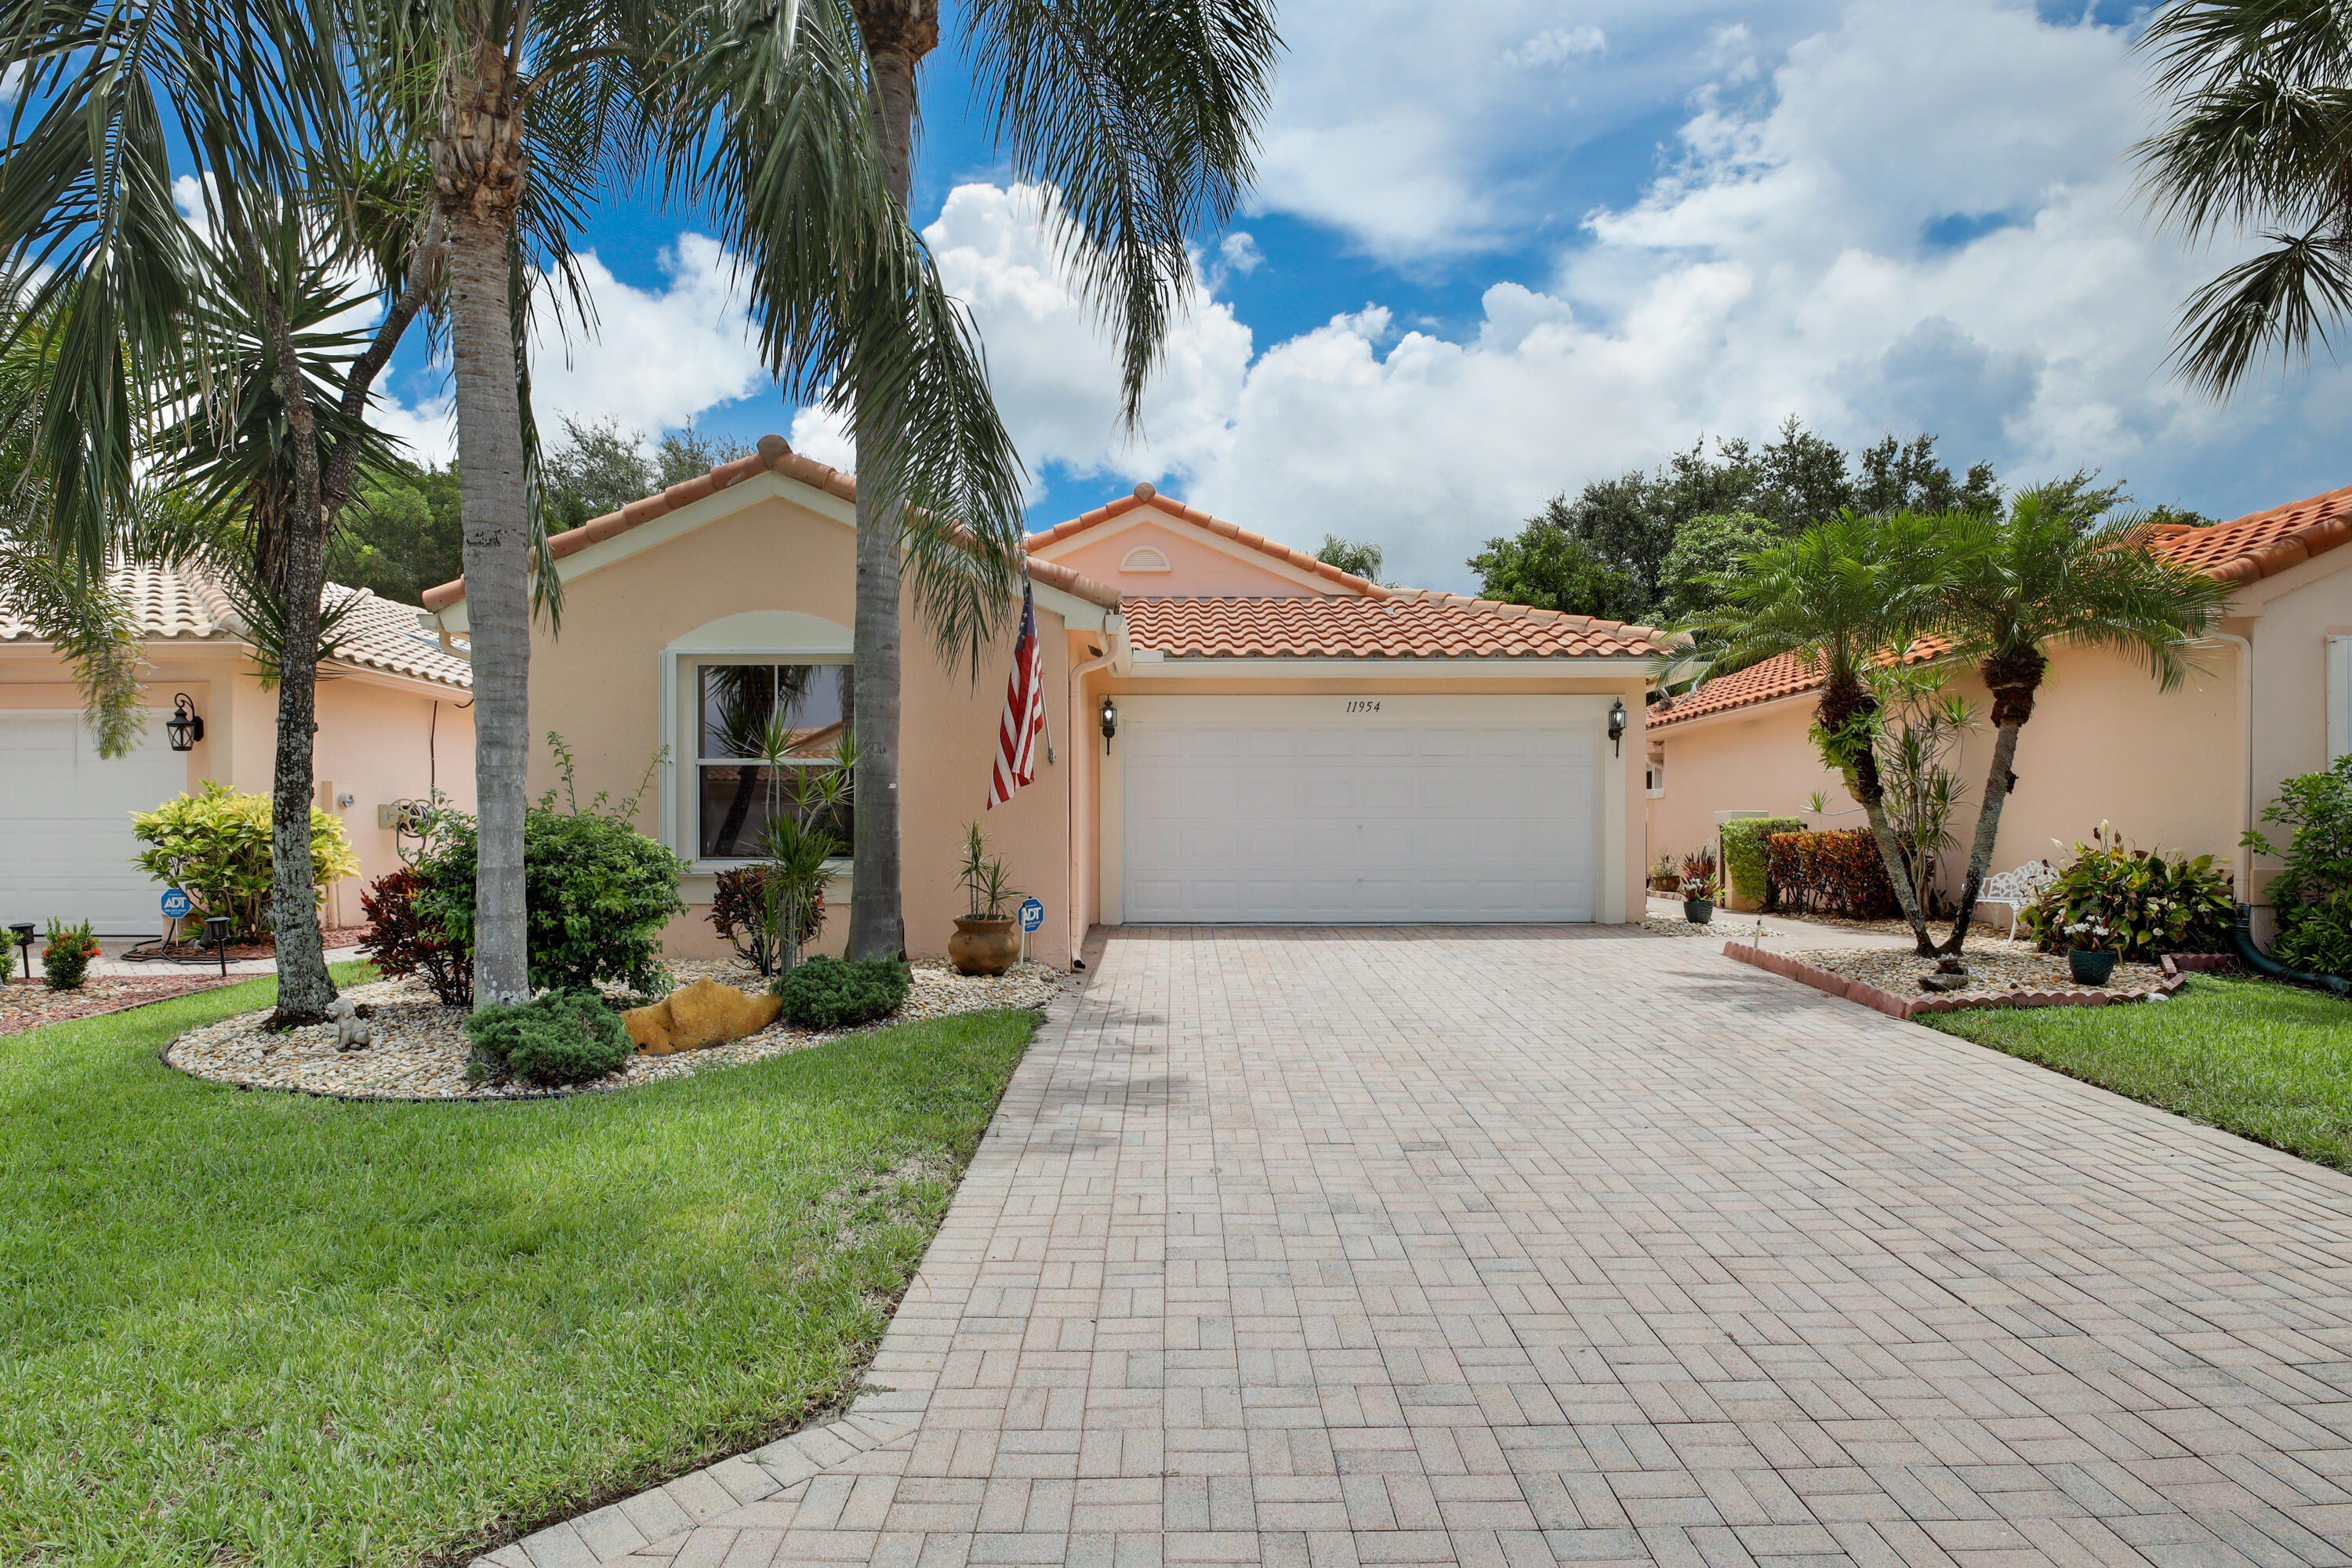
column 194, row 345
column 2049, row 572
column 2258, row 95
column 752, row 107
column 1837, row 596
column 1142, row 119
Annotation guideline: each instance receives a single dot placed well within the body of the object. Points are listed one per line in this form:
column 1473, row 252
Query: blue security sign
column 1033, row 914
column 176, row 905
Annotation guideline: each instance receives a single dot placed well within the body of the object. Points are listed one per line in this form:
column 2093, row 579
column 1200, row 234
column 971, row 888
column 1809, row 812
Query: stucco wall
column 2298, row 610
column 2105, row 744
column 1195, row 566
column 597, row 683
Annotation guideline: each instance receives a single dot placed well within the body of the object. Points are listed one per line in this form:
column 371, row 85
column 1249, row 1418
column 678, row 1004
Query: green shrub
column 1747, row 853
column 598, row 891
column 1837, row 873
column 742, row 913
column 2141, row 903
column 215, row 847
column 67, row 957
column 561, row 1037
column 401, row 941
column 826, row 994
column 2313, row 897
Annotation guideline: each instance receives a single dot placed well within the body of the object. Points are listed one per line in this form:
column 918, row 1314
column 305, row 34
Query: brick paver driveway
column 1509, row 1248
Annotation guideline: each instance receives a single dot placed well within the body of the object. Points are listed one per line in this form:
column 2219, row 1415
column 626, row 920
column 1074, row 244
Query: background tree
column 1142, row 121
column 1837, row 596
column 1357, row 558
column 1703, row 547
column 1548, row 566
column 2257, row 139
column 2049, row 571
column 399, row 533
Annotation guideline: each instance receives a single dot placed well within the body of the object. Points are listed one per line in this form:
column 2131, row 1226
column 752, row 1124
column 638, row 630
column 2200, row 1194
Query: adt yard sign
column 176, row 905
column 1033, row 914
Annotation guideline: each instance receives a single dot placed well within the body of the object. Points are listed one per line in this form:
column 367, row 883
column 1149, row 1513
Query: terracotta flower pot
column 2090, row 968
column 983, row 947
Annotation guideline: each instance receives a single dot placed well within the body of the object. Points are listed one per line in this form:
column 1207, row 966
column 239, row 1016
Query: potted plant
column 984, row 940
column 1698, row 885
column 2089, row 959
column 1662, row 878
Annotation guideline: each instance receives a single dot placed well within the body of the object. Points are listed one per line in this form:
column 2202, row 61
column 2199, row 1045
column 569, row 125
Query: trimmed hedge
column 562, row 1036
column 826, row 994
column 1747, row 853
column 1837, row 873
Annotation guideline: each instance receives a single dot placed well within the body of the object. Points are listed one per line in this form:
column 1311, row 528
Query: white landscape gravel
column 420, row 1046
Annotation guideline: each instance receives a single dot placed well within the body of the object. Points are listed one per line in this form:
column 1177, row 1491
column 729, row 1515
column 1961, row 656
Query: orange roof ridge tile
column 1145, row 494
column 1441, row 627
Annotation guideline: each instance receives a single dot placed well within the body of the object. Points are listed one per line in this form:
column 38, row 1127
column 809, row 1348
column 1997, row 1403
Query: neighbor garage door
column 65, row 822
column 1371, row 810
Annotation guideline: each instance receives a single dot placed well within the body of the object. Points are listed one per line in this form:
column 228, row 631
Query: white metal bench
column 2019, row 889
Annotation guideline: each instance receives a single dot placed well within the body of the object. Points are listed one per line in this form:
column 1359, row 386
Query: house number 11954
column 1363, row 707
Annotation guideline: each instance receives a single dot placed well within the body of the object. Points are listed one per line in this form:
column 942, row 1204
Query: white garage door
column 65, row 822
column 1359, row 810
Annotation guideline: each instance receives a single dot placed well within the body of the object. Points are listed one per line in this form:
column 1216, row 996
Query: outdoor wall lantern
column 1617, row 726
column 23, row 932
column 1110, row 722
column 184, row 728
column 216, row 930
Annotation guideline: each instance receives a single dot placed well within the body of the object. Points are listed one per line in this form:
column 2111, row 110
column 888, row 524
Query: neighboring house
column 2188, row 769
column 393, row 724
column 1291, row 745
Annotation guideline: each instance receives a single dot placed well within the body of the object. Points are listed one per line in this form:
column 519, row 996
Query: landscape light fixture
column 1110, row 722
column 216, row 929
column 23, row 932
column 184, row 728
column 1617, row 726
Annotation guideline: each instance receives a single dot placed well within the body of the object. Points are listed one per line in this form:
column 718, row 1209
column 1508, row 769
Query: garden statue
column 351, row 1030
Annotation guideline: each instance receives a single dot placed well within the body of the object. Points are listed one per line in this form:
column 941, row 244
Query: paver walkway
column 1322, row 1250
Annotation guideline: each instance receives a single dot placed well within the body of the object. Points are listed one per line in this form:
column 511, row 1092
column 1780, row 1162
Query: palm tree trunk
column 495, row 513
column 479, row 170
column 2012, row 705
column 1843, row 702
column 897, row 35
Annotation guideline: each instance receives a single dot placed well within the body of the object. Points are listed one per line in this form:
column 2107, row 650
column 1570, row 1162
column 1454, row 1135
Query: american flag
column 1024, row 708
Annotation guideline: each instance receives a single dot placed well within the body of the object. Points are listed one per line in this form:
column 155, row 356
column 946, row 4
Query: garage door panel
column 1363, row 819
column 66, row 842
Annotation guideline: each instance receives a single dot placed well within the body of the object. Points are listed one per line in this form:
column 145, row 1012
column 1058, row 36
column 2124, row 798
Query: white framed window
column 739, row 704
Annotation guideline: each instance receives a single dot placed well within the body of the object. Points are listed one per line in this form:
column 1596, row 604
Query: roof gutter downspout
column 2245, row 864
column 1115, row 653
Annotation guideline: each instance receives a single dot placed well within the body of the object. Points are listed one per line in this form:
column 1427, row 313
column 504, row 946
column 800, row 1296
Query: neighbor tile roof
column 1145, row 495
column 775, row 453
column 1406, row 624
column 178, row 604
column 2257, row 545
column 2264, row 543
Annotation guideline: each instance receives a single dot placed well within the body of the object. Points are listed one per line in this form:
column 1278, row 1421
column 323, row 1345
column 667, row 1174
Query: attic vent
column 1145, row 558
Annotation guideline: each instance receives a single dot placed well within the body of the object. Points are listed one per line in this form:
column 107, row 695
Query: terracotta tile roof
column 2257, row 545
column 1146, row 496
column 775, row 453
column 185, row 604
column 2261, row 543
column 1406, row 624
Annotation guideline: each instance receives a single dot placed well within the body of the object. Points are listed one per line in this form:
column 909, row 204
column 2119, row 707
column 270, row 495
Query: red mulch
column 333, row 936
column 29, row 1005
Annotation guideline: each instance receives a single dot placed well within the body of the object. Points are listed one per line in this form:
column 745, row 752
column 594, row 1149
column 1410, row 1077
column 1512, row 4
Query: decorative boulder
column 696, row 1016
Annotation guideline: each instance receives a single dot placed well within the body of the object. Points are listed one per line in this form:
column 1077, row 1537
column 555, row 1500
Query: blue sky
column 1498, row 251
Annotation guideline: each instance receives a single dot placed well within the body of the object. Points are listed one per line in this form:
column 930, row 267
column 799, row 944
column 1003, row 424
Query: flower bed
column 29, row 1005
column 1888, row 979
column 420, row 1049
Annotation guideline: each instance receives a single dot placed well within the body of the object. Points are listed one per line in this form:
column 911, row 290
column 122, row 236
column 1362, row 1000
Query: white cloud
column 1925, row 222
column 1557, row 46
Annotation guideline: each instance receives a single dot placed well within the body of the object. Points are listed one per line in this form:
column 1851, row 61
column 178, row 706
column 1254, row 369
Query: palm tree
column 197, row 345
column 1143, row 122
column 2259, row 137
column 1837, row 596
column 2048, row 572
column 754, row 108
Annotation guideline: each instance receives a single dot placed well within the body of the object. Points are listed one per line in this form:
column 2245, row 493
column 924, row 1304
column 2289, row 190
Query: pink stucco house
column 2188, row 769
column 395, row 724
column 1237, row 732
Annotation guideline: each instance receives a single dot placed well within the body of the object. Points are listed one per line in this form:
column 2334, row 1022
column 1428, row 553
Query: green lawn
column 254, row 1328
column 2273, row 1063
